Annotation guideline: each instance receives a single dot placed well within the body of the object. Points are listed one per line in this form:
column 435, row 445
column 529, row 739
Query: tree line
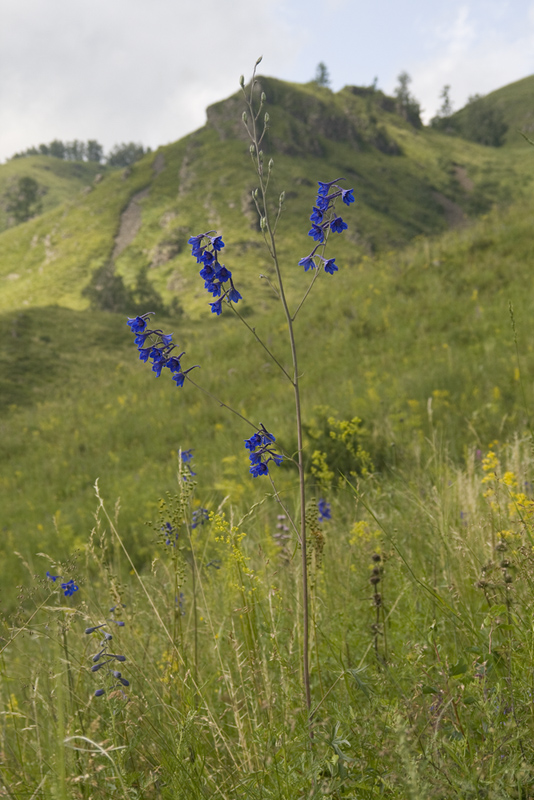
column 481, row 121
column 121, row 155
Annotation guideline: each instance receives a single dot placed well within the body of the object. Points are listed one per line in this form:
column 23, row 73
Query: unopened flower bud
column 263, row 223
column 271, row 164
column 242, row 81
column 258, row 61
column 282, row 198
column 99, row 692
column 263, row 97
column 266, row 117
column 244, row 117
column 252, row 149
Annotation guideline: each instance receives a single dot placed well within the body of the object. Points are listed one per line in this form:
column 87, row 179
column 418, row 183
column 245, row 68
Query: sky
column 145, row 70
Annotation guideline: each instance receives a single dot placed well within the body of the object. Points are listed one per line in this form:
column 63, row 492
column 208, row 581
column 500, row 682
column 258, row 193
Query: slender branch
column 253, row 332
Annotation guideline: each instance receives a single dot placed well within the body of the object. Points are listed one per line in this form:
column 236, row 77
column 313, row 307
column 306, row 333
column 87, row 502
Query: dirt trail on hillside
column 130, row 223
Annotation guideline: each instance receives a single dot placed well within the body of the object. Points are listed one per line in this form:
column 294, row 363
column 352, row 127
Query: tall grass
column 431, row 696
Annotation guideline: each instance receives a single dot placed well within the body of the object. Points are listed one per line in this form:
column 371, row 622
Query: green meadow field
column 416, row 369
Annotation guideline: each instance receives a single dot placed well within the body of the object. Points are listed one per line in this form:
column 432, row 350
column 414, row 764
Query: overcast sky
column 145, row 70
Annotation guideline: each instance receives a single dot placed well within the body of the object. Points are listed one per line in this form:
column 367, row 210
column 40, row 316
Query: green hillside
column 514, row 104
column 413, row 336
column 135, row 224
column 58, row 181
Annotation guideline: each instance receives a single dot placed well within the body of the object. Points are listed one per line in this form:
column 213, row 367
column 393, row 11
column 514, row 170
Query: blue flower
column 179, row 377
column 329, row 265
column 214, row 273
column 307, row 263
column 317, row 215
column 69, row 588
column 200, row 517
column 338, row 226
column 217, row 243
column 324, row 510
column 260, row 446
column 347, row 196
column 233, row 295
column 187, row 455
column 52, row 577
column 137, row 324
column 253, row 442
column 316, row 232
column 324, row 187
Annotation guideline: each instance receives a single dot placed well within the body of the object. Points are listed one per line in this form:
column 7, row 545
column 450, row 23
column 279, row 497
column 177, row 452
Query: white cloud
column 474, row 57
column 126, row 69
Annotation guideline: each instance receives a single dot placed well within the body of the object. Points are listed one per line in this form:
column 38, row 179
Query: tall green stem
column 270, row 238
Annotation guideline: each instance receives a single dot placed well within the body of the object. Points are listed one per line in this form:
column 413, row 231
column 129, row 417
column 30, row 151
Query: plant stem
column 266, row 226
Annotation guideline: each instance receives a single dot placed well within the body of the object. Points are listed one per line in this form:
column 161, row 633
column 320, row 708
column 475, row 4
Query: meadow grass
column 421, row 649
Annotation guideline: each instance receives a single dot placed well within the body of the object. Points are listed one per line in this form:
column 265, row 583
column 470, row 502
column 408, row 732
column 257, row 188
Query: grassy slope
column 516, row 102
column 379, row 338
column 52, row 258
column 59, row 180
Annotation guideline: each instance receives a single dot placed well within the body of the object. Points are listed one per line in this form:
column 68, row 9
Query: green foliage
column 23, row 200
column 322, row 77
column 483, row 123
column 406, row 103
column 337, row 448
column 123, row 155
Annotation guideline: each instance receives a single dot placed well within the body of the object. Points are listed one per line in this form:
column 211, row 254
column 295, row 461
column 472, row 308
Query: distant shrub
column 483, row 123
column 23, row 199
column 407, row 105
column 122, row 155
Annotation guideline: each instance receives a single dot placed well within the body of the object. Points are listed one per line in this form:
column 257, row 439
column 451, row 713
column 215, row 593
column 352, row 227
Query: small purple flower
column 307, row 263
column 324, row 187
column 137, row 324
column 69, row 588
column 324, row 510
column 233, row 295
column 200, row 517
column 329, row 264
column 338, row 226
column 316, row 232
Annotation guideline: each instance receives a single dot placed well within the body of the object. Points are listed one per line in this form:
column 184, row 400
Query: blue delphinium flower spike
column 205, row 248
column 261, row 452
column 156, row 346
column 325, row 220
